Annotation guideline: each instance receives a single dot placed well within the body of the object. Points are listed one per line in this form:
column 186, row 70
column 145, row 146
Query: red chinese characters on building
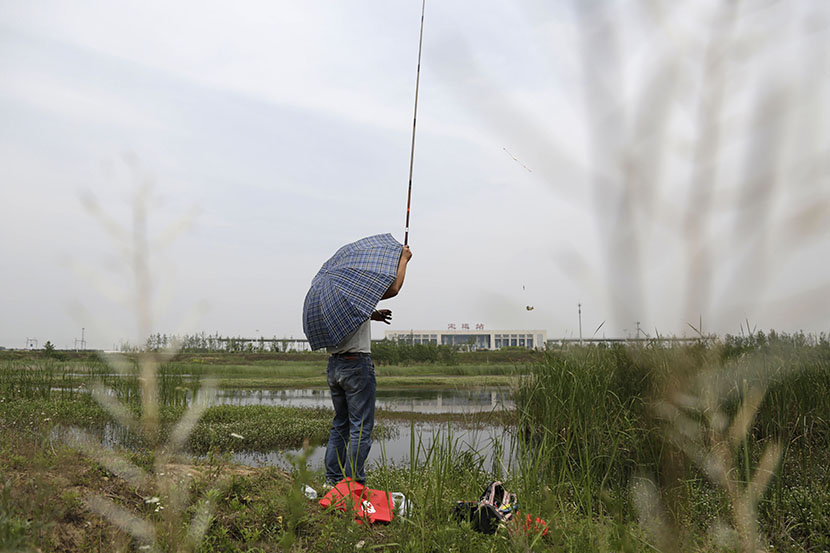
column 464, row 326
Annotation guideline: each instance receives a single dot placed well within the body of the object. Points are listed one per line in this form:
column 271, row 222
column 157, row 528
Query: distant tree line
column 384, row 351
column 390, row 351
column 207, row 343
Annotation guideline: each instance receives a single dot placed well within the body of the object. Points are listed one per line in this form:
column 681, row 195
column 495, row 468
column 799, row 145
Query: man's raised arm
column 392, row 291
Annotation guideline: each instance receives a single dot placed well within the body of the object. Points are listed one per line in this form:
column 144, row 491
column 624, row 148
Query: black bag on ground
column 494, row 506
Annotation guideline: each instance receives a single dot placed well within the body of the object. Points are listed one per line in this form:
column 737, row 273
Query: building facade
column 473, row 339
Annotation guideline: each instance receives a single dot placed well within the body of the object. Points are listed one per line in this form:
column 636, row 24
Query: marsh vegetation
column 618, row 448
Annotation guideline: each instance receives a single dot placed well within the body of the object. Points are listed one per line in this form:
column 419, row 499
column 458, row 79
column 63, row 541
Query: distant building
column 473, row 339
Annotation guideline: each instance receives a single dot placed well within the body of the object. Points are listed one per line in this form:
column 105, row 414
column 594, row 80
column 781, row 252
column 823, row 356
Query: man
column 351, row 379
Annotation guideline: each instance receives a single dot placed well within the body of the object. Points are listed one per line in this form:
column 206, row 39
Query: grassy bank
column 36, row 371
column 43, row 505
column 384, row 353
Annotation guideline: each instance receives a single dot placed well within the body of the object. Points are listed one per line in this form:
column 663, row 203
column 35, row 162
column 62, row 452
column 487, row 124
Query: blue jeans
column 352, row 382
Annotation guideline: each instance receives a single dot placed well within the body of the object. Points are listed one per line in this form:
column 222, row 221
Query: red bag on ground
column 367, row 504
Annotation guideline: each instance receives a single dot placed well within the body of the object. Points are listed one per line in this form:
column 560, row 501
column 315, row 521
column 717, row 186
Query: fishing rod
column 414, row 121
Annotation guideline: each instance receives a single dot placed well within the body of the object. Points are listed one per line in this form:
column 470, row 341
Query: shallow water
column 483, row 445
column 396, row 447
column 421, row 400
column 487, row 444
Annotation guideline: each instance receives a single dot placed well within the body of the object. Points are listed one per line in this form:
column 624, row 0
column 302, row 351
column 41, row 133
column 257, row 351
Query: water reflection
column 420, row 400
column 407, row 400
column 485, row 445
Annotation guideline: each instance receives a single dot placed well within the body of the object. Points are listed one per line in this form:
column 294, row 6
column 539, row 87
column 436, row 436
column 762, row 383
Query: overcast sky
column 561, row 157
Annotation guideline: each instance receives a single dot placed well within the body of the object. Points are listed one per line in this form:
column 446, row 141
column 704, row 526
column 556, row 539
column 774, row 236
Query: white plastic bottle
column 402, row 505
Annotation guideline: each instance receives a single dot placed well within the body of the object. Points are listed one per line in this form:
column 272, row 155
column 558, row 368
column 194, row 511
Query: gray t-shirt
column 359, row 341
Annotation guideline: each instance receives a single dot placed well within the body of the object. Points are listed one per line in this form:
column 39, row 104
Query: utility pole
column 638, row 329
column 579, row 307
column 82, row 341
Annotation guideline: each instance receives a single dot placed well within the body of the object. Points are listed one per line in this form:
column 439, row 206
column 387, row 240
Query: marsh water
column 400, row 438
column 485, row 444
column 397, row 445
column 419, row 400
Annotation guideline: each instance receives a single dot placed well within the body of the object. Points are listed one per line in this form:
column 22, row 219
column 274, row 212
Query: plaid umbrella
column 347, row 288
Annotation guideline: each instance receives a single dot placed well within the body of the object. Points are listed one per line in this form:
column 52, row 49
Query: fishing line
column 517, row 160
column 414, row 121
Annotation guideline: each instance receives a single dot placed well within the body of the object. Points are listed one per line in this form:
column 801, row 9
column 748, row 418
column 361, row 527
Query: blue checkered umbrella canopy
column 347, row 288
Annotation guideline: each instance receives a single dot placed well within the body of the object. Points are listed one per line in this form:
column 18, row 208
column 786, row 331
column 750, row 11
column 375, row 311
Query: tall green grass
column 57, row 380
column 592, row 406
column 583, row 423
column 594, row 420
